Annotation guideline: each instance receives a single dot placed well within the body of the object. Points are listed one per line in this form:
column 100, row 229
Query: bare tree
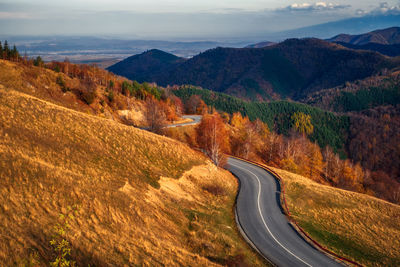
column 154, row 115
column 213, row 138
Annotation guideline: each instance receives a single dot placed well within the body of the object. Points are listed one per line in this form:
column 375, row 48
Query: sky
column 176, row 18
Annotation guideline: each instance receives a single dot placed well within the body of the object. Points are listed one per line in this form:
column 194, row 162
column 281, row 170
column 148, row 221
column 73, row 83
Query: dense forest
column 360, row 95
column 330, row 129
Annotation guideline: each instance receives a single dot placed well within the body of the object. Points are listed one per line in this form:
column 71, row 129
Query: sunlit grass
column 133, row 208
column 357, row 226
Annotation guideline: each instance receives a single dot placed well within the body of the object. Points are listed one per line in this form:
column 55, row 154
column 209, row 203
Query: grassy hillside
column 131, row 208
column 81, row 87
column 329, row 129
column 354, row 225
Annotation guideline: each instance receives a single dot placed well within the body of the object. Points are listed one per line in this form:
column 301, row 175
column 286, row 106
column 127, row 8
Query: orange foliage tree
column 212, row 137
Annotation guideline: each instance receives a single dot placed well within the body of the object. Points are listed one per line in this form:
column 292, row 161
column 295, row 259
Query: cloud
column 318, row 6
column 383, row 9
column 15, row 15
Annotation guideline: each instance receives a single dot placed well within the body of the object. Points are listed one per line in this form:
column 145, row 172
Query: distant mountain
column 139, row 67
column 260, row 45
column 388, row 36
column 353, row 25
column 386, row 41
column 387, row 50
column 292, row 69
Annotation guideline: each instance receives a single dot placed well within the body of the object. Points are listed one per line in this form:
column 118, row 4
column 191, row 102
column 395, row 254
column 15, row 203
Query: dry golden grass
column 360, row 227
column 133, row 210
column 185, row 134
column 40, row 82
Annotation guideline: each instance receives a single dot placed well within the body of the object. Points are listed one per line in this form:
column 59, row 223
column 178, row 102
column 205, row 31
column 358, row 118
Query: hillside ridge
column 291, row 69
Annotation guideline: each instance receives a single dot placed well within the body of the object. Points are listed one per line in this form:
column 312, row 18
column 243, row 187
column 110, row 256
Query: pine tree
column 1, row 50
column 14, row 53
column 38, row 62
column 6, row 50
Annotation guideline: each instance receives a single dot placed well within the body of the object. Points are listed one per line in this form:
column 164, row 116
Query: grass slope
column 360, row 227
column 132, row 209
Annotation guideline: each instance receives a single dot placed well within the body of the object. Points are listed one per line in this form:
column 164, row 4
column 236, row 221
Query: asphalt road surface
column 261, row 218
column 196, row 119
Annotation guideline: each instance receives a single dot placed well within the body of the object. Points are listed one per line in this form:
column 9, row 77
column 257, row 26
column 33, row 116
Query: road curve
column 261, row 218
column 196, row 119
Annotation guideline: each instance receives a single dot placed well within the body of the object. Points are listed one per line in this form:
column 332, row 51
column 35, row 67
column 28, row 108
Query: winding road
column 195, row 120
column 261, row 218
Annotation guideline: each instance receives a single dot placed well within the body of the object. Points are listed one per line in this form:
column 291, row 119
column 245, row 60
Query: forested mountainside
column 387, row 36
column 373, row 105
column 387, row 50
column 291, row 69
column 329, row 129
column 138, row 67
column 359, row 95
column 385, row 41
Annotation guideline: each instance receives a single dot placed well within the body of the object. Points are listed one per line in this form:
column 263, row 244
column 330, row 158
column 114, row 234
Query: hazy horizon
column 176, row 19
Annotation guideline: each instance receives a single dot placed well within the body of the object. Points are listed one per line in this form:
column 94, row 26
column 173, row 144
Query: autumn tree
column 154, row 115
column 301, row 123
column 179, row 109
column 315, row 162
column 192, row 103
column 245, row 138
column 169, row 110
column 212, row 137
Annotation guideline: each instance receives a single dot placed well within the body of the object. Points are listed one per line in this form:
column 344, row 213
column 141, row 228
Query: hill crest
column 387, row 36
column 291, row 69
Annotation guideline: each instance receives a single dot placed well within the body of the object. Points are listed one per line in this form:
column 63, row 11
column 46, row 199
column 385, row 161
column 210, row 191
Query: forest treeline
column 294, row 149
column 330, row 129
column 360, row 95
column 235, row 134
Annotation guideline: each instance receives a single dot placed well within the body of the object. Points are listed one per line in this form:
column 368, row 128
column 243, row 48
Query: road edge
column 292, row 221
column 242, row 231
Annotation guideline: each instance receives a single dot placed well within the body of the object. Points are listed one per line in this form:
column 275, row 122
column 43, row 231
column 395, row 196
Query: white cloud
column 15, row 15
column 383, row 9
column 318, row 6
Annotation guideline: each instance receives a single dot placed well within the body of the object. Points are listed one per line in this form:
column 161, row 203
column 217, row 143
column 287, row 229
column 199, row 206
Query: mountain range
column 353, row 25
column 291, row 69
column 387, row 36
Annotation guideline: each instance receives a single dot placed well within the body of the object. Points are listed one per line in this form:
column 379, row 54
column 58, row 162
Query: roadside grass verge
column 357, row 226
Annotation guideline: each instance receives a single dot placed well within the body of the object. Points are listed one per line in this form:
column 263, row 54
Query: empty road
column 260, row 216
column 196, row 119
